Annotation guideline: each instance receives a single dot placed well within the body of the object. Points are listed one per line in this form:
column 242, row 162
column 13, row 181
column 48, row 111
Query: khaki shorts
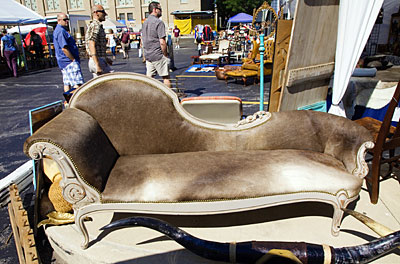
column 103, row 65
column 161, row 67
column 125, row 46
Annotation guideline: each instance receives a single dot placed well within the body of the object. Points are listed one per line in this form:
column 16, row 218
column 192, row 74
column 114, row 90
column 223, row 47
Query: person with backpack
column 125, row 39
column 9, row 50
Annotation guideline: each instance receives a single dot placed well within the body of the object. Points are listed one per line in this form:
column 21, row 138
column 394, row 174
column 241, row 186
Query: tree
column 229, row 8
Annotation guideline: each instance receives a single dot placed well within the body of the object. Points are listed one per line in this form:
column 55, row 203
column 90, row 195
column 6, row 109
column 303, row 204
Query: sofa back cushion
column 140, row 118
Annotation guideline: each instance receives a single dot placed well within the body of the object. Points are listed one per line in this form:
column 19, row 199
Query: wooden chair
column 223, row 52
column 387, row 138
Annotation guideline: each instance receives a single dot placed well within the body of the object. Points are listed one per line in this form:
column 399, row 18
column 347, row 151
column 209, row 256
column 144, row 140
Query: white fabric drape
column 356, row 20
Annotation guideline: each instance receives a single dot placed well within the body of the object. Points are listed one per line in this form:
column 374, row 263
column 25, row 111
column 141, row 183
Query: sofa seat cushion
column 208, row 175
column 242, row 73
column 212, row 56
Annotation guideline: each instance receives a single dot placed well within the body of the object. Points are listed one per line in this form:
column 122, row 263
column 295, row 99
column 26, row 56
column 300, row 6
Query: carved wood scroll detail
column 260, row 115
column 75, row 190
column 361, row 169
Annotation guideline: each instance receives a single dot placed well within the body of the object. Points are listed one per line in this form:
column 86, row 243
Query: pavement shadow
column 197, row 92
column 233, row 219
column 29, row 73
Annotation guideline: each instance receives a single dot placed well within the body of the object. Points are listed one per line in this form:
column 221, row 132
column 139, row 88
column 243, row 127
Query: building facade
column 130, row 12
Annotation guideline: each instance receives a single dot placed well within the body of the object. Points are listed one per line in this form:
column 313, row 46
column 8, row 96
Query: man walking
column 67, row 54
column 96, row 43
column 155, row 45
column 176, row 36
column 125, row 39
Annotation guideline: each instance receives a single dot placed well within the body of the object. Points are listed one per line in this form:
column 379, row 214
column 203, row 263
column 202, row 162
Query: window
column 31, row 4
column 184, row 1
column 146, row 2
column 76, row 4
column 121, row 16
column 146, row 14
column 104, row 3
column 125, row 2
column 129, row 16
column 53, row 5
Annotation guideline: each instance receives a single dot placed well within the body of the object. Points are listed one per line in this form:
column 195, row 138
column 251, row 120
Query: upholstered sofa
column 125, row 144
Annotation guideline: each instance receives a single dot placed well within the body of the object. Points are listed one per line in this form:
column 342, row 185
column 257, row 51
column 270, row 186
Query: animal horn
column 372, row 224
column 254, row 251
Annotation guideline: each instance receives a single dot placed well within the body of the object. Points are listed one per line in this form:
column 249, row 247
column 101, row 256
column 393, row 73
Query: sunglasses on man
column 101, row 11
column 66, row 19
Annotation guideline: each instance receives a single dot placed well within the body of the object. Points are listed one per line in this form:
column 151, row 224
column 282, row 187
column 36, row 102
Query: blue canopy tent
column 240, row 18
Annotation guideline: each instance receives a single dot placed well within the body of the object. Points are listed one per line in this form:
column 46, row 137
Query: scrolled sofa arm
column 337, row 136
column 345, row 140
column 82, row 148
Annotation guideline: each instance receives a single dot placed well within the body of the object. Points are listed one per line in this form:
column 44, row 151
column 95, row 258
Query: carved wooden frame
column 265, row 5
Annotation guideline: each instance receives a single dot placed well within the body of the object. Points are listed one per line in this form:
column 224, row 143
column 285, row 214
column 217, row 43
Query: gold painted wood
column 265, row 24
column 313, row 42
column 284, row 28
column 23, row 234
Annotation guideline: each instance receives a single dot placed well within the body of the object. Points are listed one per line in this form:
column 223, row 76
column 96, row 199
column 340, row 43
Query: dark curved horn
column 369, row 251
column 250, row 252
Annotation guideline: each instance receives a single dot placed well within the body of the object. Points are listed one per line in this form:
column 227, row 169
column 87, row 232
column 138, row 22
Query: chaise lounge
column 125, row 144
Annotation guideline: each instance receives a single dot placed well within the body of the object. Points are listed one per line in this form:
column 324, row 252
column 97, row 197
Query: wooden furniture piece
column 311, row 56
column 250, row 67
column 244, row 74
column 283, row 31
column 23, row 233
column 142, row 152
column 386, row 138
column 223, row 52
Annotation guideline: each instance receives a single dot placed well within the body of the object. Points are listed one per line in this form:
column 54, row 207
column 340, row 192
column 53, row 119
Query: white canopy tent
column 356, row 20
column 112, row 24
column 28, row 28
column 13, row 13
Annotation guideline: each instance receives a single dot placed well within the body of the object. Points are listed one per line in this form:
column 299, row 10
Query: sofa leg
column 79, row 222
column 341, row 203
column 337, row 219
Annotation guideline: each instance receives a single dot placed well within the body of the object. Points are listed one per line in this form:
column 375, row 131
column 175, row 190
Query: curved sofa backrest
column 140, row 115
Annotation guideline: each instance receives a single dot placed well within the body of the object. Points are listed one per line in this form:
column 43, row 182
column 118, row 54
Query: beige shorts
column 161, row 67
column 125, row 46
column 103, row 65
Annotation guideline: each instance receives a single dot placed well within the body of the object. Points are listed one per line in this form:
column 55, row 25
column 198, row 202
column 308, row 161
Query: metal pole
column 23, row 49
column 49, row 45
column 262, row 49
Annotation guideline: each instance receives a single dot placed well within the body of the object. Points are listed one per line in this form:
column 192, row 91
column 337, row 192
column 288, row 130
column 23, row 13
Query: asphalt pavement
column 43, row 86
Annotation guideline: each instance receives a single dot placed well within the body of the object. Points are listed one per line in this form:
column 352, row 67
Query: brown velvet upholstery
column 145, row 122
column 217, row 175
column 81, row 137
